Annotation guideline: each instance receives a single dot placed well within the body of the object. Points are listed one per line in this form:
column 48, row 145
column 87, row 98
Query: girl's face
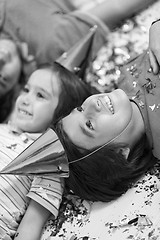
column 36, row 104
column 100, row 119
column 10, row 66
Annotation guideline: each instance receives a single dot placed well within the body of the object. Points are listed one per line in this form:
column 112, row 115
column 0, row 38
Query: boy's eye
column 80, row 109
column 89, row 125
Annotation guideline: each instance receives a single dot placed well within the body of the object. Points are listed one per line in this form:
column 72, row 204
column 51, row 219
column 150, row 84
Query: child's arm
column 32, row 223
column 154, row 46
column 115, row 11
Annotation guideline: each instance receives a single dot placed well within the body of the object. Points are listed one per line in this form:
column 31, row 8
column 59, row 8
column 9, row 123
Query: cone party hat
column 45, row 155
column 78, row 58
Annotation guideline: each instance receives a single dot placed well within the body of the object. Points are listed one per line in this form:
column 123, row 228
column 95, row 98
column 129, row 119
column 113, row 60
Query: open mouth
column 24, row 112
column 109, row 104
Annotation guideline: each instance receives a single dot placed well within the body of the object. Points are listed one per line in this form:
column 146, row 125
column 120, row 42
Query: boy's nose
column 94, row 105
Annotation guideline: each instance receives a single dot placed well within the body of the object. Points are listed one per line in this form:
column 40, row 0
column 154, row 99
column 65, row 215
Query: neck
column 137, row 128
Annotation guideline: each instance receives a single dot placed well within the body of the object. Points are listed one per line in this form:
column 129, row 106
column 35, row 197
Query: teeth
column 109, row 104
column 24, row 112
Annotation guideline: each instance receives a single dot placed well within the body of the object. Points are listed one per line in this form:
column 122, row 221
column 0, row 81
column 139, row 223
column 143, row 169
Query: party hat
column 78, row 58
column 45, row 155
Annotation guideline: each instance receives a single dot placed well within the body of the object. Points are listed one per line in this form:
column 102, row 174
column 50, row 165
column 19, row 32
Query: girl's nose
column 26, row 100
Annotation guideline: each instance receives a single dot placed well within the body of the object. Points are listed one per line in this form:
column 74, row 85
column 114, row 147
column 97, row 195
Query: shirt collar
column 25, row 135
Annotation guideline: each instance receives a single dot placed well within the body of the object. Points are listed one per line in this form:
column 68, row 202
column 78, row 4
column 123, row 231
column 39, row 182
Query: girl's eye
column 89, row 125
column 80, row 109
column 40, row 95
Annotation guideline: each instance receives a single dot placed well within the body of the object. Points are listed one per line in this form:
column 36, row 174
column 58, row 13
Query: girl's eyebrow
column 43, row 90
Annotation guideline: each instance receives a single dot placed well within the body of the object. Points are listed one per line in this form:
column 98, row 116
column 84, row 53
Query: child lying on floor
column 34, row 198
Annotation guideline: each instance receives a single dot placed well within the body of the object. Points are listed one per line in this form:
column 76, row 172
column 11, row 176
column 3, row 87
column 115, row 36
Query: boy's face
column 36, row 104
column 10, row 66
column 100, row 119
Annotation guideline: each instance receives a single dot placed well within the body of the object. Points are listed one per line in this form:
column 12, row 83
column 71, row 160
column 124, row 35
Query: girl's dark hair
column 106, row 174
column 73, row 91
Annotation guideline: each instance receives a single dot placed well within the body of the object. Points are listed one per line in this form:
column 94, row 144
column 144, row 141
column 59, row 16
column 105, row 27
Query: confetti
column 152, row 107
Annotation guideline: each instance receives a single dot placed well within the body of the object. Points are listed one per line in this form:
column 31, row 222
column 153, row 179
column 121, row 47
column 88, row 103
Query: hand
column 154, row 46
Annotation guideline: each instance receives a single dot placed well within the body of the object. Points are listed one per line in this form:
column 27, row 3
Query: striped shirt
column 16, row 191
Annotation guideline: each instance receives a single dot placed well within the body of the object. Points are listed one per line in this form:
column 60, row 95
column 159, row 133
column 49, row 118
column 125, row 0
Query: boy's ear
column 124, row 151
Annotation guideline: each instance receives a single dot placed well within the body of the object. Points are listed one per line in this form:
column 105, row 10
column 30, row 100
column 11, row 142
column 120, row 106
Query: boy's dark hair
column 106, row 174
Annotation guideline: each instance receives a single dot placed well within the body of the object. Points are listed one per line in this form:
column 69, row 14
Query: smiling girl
column 28, row 201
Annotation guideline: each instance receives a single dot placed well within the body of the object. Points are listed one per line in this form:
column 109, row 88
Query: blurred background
column 126, row 41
